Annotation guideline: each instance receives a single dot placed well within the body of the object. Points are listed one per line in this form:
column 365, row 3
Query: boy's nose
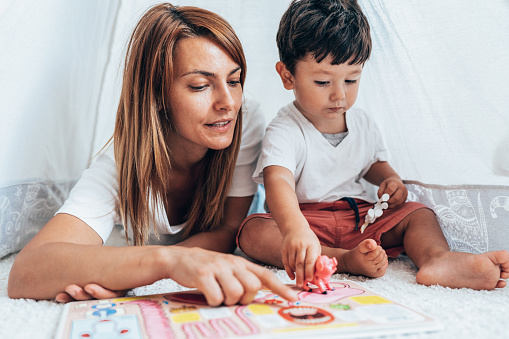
column 338, row 94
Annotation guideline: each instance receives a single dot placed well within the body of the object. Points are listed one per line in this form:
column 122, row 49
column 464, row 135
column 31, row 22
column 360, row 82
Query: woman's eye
column 234, row 83
column 321, row 83
column 198, row 88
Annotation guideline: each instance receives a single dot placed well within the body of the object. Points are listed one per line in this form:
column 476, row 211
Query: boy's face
column 323, row 92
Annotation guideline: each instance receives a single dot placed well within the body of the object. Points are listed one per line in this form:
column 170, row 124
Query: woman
column 175, row 146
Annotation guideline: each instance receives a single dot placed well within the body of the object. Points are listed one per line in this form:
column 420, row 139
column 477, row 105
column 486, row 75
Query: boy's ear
column 285, row 75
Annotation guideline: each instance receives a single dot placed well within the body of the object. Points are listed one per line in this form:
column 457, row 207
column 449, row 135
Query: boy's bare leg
column 427, row 247
column 261, row 240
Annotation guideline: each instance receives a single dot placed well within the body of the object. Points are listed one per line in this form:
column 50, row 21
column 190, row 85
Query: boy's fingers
column 300, row 267
column 288, row 268
column 391, row 188
column 381, row 189
column 397, row 198
column 290, row 273
column 310, row 264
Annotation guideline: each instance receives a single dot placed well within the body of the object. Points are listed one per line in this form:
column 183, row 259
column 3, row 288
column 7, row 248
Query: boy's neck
column 328, row 126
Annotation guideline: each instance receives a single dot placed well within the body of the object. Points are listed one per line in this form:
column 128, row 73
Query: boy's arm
column 383, row 175
column 300, row 247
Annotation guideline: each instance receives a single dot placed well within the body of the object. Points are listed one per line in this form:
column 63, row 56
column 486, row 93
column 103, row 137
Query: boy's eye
column 351, row 81
column 321, row 83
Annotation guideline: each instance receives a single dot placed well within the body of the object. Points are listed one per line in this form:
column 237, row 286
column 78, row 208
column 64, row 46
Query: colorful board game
column 350, row 310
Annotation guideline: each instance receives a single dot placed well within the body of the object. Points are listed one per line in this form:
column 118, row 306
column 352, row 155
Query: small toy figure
column 376, row 211
column 324, row 268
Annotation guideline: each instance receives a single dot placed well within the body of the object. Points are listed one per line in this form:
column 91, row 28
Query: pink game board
column 350, row 310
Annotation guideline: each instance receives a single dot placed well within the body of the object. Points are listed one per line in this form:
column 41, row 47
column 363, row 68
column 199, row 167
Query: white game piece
column 376, row 211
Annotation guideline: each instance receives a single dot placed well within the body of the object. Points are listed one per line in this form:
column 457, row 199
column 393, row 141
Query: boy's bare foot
column 368, row 259
column 457, row 270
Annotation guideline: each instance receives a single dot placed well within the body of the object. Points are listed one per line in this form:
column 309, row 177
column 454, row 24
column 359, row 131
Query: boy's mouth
column 335, row 109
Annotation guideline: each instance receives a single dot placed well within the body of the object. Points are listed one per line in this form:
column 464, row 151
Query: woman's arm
column 67, row 251
column 223, row 239
column 220, row 240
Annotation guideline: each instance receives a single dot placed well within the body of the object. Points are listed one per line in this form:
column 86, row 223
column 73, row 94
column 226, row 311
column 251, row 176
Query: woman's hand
column 91, row 291
column 222, row 278
column 396, row 190
column 300, row 249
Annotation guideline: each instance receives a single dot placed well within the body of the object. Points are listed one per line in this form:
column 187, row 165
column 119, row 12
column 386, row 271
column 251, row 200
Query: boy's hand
column 300, row 249
column 396, row 190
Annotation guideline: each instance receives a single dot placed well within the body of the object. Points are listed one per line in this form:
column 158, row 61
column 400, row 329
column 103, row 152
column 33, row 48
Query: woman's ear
column 285, row 75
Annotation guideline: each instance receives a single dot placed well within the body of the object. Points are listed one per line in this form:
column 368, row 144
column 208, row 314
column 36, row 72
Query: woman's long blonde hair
column 142, row 155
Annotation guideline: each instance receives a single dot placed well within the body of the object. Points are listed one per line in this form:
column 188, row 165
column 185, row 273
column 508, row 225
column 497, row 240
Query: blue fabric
column 258, row 204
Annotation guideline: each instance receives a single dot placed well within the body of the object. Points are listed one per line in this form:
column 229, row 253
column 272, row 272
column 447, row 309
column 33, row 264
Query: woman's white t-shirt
column 94, row 198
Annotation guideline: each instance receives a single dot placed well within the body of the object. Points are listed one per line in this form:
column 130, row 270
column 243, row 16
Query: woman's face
column 205, row 96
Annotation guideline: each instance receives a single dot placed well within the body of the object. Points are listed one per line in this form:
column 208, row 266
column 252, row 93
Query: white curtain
column 52, row 60
column 437, row 83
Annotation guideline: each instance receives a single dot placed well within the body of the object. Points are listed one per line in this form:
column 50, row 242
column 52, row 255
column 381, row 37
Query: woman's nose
column 224, row 99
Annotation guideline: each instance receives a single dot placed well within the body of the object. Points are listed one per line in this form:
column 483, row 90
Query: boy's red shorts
column 334, row 223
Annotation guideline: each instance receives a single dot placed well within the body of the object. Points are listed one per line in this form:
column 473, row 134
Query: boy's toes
column 367, row 245
column 380, row 272
column 501, row 284
column 381, row 257
column 377, row 255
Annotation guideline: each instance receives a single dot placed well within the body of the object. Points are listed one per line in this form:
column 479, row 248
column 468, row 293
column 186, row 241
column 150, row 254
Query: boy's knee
column 255, row 230
column 244, row 233
column 422, row 214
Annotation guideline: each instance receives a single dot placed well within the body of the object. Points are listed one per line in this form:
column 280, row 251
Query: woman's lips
column 220, row 126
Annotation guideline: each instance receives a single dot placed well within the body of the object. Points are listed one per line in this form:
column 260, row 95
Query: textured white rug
column 464, row 313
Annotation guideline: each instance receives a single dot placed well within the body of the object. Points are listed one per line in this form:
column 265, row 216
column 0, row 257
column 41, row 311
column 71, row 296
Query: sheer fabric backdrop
column 53, row 56
column 437, row 83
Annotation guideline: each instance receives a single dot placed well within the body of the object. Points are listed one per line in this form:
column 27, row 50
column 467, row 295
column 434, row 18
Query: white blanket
column 464, row 313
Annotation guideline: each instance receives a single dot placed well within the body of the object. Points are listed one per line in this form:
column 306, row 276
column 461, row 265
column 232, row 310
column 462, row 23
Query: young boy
column 316, row 151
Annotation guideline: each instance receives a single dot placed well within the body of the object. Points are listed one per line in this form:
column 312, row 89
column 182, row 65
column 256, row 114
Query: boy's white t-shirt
column 94, row 198
column 322, row 172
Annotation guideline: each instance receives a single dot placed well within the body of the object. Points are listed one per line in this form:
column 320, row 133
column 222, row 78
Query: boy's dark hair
column 323, row 27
